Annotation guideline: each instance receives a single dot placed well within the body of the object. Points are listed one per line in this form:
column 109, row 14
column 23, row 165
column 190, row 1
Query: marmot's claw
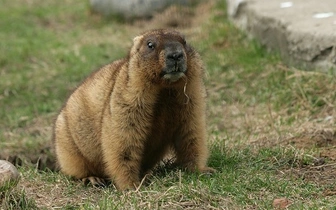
column 95, row 181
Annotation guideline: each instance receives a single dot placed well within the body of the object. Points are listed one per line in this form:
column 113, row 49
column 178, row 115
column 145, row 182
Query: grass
column 271, row 127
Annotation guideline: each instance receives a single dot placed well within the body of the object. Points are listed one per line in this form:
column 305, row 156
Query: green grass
column 268, row 124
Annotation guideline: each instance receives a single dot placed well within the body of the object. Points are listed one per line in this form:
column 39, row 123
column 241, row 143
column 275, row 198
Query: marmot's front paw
column 207, row 170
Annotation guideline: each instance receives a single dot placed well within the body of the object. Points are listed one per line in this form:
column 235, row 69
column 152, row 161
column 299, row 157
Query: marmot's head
column 161, row 57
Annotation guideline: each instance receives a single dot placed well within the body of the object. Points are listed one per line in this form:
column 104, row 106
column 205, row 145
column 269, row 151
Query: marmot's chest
column 169, row 113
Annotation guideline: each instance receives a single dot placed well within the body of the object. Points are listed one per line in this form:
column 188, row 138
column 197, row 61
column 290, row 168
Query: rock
column 304, row 33
column 8, row 172
column 133, row 8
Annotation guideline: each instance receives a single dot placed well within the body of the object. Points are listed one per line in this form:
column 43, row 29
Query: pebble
column 8, row 172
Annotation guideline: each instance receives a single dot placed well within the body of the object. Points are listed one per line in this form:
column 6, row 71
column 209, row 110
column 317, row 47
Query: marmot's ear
column 136, row 40
column 136, row 44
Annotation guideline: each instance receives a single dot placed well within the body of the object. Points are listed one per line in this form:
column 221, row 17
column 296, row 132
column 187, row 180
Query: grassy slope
column 257, row 107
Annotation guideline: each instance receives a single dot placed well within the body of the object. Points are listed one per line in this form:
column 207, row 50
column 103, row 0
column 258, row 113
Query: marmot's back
column 78, row 126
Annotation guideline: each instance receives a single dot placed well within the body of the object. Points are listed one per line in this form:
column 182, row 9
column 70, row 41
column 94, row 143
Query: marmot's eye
column 150, row 45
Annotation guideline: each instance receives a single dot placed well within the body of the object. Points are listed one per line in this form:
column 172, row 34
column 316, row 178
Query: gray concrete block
column 133, row 8
column 302, row 31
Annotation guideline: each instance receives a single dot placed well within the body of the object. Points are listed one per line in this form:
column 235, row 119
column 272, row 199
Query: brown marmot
column 124, row 118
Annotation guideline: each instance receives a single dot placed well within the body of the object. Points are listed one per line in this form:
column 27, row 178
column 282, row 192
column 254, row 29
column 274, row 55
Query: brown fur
column 122, row 120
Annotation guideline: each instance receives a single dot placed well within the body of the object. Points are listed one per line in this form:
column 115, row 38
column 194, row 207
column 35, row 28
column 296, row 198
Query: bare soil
column 309, row 138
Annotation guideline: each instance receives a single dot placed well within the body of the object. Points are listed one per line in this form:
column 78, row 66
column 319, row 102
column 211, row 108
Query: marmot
column 124, row 118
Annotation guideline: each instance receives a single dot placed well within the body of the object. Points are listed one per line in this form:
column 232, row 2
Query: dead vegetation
column 270, row 106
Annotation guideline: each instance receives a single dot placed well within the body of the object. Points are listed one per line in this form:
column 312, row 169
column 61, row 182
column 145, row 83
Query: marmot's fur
column 122, row 120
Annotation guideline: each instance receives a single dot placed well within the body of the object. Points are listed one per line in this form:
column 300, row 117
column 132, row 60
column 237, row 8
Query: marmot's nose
column 175, row 55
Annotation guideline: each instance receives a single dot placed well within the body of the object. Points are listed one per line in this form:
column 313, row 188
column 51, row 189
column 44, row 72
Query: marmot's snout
column 175, row 56
column 176, row 64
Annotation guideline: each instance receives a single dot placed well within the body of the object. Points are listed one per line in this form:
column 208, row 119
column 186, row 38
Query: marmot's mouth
column 173, row 76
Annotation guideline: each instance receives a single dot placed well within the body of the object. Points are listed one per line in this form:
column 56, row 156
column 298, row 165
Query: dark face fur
column 163, row 56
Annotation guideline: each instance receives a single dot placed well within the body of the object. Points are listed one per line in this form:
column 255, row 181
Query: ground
column 272, row 129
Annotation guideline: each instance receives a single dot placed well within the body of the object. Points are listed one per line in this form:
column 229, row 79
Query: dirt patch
column 323, row 169
column 323, row 140
column 319, row 146
column 320, row 172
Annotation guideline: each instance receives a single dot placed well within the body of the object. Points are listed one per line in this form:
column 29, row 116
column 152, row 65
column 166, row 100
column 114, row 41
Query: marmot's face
column 163, row 56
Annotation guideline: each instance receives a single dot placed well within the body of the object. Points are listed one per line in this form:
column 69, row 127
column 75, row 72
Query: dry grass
column 271, row 128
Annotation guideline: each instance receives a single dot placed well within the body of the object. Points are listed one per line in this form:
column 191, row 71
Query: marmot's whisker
column 184, row 90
